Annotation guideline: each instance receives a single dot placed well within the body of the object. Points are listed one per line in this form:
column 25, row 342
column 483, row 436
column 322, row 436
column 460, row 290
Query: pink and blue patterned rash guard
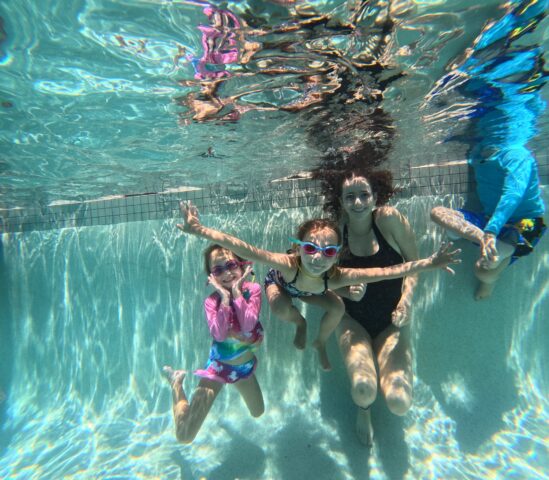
column 235, row 328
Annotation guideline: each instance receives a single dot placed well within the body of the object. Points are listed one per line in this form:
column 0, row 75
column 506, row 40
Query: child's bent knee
column 336, row 307
column 339, row 307
column 486, row 275
column 282, row 309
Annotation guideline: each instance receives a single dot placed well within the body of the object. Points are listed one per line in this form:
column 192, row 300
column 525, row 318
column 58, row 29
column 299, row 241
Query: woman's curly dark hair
column 332, row 179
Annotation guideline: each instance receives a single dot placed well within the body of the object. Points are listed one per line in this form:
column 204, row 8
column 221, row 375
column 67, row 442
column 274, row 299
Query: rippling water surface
column 102, row 97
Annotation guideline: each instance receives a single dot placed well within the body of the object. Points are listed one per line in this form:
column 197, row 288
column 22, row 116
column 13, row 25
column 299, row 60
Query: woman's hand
column 190, row 217
column 401, row 315
column 356, row 292
column 445, row 257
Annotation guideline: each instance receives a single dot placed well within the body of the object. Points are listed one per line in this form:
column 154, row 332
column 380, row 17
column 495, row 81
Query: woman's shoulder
column 389, row 217
column 398, row 232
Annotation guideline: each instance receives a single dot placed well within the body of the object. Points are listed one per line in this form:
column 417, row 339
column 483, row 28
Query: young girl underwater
column 311, row 271
column 232, row 312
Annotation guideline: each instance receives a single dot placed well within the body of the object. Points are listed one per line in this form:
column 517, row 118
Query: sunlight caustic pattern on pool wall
column 95, row 312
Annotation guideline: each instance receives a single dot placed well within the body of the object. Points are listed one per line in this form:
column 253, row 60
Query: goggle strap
column 316, row 247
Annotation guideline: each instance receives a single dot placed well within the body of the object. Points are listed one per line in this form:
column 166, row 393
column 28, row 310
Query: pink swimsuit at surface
column 219, row 43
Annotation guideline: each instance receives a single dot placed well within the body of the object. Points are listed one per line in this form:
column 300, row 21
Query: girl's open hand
column 445, row 257
column 237, row 287
column 223, row 292
column 190, row 217
column 245, row 274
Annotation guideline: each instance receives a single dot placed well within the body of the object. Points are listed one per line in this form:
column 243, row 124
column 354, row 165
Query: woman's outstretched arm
column 352, row 276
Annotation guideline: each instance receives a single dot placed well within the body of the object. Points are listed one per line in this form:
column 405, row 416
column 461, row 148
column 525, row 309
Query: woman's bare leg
column 189, row 417
column 394, row 357
column 282, row 306
column 335, row 308
column 358, row 356
column 251, row 394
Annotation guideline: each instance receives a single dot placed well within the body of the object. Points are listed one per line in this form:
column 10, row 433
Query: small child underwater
column 232, row 312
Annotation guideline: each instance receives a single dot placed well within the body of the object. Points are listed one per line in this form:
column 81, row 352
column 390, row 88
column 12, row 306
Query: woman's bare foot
column 323, row 355
column 175, row 377
column 300, row 338
column 484, row 290
column 364, row 429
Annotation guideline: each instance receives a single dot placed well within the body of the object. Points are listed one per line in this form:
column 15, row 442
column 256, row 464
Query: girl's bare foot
column 364, row 429
column 323, row 356
column 300, row 338
column 175, row 377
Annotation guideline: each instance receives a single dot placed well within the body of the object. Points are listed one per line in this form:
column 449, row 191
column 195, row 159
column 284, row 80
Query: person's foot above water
column 173, row 376
column 323, row 356
column 364, row 429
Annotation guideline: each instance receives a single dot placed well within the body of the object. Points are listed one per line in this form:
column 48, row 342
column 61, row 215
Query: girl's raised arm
column 193, row 226
column 440, row 259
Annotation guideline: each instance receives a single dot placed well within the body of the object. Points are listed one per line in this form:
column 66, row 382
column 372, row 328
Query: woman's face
column 228, row 267
column 318, row 263
column 357, row 198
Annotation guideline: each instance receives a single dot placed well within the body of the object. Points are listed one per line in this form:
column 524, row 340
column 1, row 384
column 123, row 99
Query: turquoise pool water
column 97, row 99
column 95, row 312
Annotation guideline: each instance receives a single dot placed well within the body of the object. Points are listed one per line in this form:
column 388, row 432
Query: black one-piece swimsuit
column 375, row 309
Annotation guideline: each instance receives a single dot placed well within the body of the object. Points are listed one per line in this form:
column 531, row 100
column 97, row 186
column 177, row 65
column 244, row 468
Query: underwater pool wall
column 6, row 346
column 441, row 175
column 94, row 312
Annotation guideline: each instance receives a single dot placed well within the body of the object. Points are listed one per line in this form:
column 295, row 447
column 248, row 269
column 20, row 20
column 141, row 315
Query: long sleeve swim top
column 508, row 187
column 239, row 317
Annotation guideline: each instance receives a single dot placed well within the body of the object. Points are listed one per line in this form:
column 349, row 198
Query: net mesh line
column 229, row 197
